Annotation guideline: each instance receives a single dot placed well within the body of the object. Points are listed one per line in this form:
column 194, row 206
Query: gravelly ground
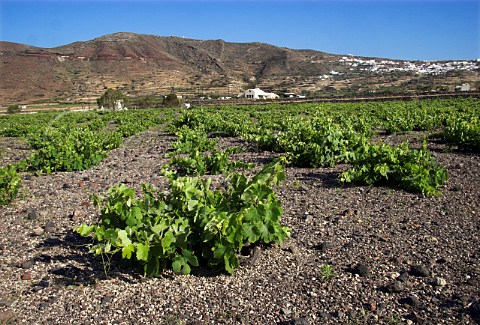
column 396, row 257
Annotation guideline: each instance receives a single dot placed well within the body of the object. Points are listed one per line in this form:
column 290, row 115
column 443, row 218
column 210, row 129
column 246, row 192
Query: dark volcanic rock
column 410, row 300
column 32, row 213
column 419, row 270
column 325, row 246
column 299, row 321
column 395, row 287
column 361, row 269
column 474, row 309
column 403, row 277
column 49, row 227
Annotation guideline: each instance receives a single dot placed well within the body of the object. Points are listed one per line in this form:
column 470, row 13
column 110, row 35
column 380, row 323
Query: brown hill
column 146, row 64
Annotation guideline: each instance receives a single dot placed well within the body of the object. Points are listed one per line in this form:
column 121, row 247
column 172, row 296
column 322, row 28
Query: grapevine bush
column 190, row 140
column 313, row 143
column 414, row 170
column 191, row 224
column 213, row 163
column 463, row 132
column 9, row 184
column 70, row 150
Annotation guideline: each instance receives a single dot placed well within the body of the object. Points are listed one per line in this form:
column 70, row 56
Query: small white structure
column 465, row 87
column 118, row 105
column 186, row 105
column 257, row 93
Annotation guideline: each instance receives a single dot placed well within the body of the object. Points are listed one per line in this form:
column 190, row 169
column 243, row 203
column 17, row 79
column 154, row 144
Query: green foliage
column 192, row 119
column 327, row 272
column 313, row 143
column 414, row 170
column 190, row 140
column 216, row 162
column 9, row 184
column 321, row 143
column 423, row 117
column 463, row 132
column 70, row 150
column 110, row 97
column 68, row 141
column 194, row 142
column 191, row 224
column 171, row 100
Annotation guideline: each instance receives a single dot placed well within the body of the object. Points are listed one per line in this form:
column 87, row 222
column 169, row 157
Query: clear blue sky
column 413, row 30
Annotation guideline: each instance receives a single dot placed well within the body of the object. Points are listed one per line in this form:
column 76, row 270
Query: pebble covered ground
column 357, row 254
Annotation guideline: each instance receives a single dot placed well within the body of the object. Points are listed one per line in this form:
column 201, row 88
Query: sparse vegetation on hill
column 141, row 65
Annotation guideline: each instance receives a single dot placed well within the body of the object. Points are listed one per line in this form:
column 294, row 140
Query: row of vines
column 194, row 222
column 68, row 141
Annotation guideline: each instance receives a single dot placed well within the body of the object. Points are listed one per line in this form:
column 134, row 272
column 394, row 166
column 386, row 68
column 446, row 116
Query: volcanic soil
column 357, row 254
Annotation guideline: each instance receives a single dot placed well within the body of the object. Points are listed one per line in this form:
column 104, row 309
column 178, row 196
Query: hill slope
column 146, row 64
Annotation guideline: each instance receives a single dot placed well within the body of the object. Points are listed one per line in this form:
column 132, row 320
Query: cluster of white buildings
column 418, row 67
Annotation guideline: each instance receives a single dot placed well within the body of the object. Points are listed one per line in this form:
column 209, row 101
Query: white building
column 118, row 105
column 257, row 93
column 463, row 87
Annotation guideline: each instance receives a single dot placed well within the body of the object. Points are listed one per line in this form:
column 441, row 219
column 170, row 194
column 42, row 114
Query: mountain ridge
column 142, row 64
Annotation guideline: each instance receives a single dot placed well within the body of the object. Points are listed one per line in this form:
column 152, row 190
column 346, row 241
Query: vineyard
column 316, row 212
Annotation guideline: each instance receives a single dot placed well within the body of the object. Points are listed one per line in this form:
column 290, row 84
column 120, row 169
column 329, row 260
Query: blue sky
column 412, row 30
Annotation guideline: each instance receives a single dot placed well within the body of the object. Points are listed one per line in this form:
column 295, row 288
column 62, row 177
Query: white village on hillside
column 418, row 67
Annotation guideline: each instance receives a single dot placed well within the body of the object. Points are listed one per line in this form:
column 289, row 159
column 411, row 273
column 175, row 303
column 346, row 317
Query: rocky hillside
column 146, row 64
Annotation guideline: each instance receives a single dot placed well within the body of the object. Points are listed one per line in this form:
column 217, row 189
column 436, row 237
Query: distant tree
column 171, row 100
column 110, row 97
column 13, row 109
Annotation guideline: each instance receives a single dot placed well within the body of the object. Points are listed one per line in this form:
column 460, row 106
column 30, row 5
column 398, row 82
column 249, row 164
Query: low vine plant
column 464, row 133
column 410, row 169
column 70, row 150
column 190, row 224
column 191, row 140
column 213, row 163
column 9, row 184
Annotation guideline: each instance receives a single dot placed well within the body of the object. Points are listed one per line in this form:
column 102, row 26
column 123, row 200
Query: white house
column 257, row 93
column 463, row 87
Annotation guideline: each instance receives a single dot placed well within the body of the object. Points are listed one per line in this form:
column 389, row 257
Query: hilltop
column 141, row 64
